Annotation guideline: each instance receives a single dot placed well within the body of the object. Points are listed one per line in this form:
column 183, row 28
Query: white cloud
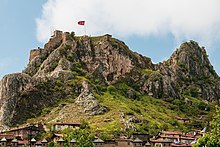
column 185, row 19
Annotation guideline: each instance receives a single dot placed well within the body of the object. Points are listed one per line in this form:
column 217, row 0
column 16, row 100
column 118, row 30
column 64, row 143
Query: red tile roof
column 161, row 141
column 172, row 132
column 59, row 135
column 7, row 136
column 181, row 145
column 177, row 137
column 22, row 142
column 23, row 128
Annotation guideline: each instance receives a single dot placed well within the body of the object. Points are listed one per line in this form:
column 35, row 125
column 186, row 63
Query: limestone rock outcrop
column 87, row 100
column 10, row 87
column 191, row 71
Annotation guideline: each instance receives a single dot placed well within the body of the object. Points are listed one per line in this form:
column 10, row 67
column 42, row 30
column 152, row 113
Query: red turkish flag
column 81, row 23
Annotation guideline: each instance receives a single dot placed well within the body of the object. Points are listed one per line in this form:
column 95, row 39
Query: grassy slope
column 154, row 114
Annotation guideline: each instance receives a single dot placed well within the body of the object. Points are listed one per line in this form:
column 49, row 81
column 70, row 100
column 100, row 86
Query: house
column 26, row 131
column 144, row 137
column 14, row 142
column 60, row 142
column 22, row 143
column 161, row 142
column 33, row 142
column 73, row 143
column 123, row 142
column 55, row 137
column 137, row 143
column 8, row 138
column 110, row 143
column 175, row 139
column 61, row 126
column 171, row 133
column 98, row 143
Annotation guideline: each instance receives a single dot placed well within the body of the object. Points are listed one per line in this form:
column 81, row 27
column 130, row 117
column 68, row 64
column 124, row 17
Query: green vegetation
column 45, row 111
column 70, row 58
column 64, row 49
column 212, row 138
column 82, row 136
column 155, row 113
column 72, row 36
column 53, row 65
column 183, row 67
column 211, row 69
column 52, row 144
column 96, row 38
column 192, row 91
column 148, row 72
column 152, row 75
column 144, row 109
column 77, row 68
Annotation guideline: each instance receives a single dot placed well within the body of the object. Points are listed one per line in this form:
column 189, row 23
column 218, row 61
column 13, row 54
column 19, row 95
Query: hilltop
column 100, row 80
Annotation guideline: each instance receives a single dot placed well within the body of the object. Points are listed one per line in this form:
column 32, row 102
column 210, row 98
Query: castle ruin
column 55, row 41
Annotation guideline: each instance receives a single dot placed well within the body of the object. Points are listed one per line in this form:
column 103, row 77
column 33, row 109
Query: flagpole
column 85, row 29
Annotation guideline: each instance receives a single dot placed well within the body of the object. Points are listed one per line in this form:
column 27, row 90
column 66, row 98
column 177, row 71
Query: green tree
column 52, row 144
column 212, row 138
column 82, row 136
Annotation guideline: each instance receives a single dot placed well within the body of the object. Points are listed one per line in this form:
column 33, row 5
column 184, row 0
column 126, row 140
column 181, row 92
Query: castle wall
column 65, row 37
column 34, row 53
column 55, row 41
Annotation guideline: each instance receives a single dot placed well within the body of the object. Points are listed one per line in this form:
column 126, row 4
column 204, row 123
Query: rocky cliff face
column 69, row 66
column 190, row 69
column 10, row 87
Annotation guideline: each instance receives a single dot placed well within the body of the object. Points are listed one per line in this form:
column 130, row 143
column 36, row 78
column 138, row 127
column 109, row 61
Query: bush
column 64, row 49
column 72, row 35
column 111, row 89
column 202, row 106
column 46, row 111
column 53, row 65
column 192, row 91
column 84, row 125
column 52, row 144
column 105, row 136
column 70, row 58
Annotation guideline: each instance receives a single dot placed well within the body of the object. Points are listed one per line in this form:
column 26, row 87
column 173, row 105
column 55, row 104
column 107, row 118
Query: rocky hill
column 86, row 77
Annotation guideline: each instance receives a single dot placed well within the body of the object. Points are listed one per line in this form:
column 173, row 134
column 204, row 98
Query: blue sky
column 18, row 33
column 26, row 24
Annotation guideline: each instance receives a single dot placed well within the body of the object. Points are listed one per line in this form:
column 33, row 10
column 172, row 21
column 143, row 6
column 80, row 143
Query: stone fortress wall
column 55, row 41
